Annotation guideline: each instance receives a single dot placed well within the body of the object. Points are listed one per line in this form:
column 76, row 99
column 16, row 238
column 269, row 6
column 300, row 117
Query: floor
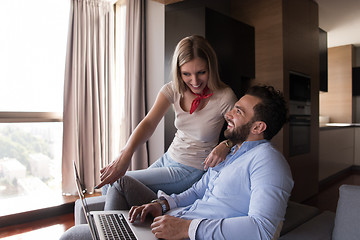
column 328, row 195
column 49, row 228
column 55, row 226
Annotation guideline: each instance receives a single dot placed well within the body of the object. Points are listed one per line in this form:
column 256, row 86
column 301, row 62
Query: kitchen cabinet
column 323, row 58
column 336, row 150
column 356, row 81
column 357, row 147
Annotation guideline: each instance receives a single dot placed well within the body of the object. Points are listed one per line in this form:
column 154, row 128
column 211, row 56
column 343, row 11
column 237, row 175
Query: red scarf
column 197, row 100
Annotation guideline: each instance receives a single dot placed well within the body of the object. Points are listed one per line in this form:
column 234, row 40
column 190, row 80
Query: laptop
column 112, row 224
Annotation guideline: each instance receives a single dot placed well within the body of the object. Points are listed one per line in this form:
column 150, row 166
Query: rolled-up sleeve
column 193, row 228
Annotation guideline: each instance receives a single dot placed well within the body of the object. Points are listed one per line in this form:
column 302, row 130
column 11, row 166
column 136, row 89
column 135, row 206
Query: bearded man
column 243, row 197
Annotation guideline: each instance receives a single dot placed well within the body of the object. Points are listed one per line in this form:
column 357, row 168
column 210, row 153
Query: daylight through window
column 32, row 64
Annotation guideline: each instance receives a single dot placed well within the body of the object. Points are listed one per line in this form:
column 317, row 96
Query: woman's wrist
column 229, row 144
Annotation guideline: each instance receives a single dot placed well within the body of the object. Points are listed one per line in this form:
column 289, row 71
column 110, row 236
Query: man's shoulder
column 268, row 146
column 267, row 152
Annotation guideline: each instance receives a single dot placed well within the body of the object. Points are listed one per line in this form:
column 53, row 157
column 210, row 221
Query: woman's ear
column 258, row 127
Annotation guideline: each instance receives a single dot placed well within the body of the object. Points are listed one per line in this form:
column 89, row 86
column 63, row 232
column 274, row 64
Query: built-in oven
column 299, row 134
column 300, row 114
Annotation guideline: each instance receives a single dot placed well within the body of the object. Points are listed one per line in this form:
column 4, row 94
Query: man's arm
column 169, row 227
column 236, row 228
column 196, row 191
column 260, row 223
column 271, row 185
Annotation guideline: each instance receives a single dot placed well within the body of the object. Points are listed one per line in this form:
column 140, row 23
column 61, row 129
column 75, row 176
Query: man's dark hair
column 272, row 109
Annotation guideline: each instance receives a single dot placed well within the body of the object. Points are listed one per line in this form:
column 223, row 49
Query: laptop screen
column 81, row 192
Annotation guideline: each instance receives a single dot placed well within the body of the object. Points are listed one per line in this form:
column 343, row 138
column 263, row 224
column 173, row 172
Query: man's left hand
column 169, row 227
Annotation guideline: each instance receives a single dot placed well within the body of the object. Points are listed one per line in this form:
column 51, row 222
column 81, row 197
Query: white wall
column 155, row 54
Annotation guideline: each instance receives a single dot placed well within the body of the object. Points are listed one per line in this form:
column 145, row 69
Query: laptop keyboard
column 116, row 227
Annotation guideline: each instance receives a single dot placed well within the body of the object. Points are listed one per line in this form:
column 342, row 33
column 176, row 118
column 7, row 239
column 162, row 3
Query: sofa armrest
column 347, row 213
column 94, row 204
column 317, row 228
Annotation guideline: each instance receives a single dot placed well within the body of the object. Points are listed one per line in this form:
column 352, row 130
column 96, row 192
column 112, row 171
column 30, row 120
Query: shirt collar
column 248, row 145
column 245, row 147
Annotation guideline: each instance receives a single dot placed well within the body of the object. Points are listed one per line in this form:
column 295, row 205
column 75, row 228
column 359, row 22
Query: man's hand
column 153, row 208
column 169, row 227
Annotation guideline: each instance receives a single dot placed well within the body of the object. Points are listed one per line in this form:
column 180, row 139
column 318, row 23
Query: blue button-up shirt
column 244, row 197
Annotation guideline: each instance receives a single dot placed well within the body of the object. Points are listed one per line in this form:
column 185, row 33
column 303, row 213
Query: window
column 32, row 65
column 119, row 140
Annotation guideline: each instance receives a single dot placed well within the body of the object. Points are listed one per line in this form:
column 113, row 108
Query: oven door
column 299, row 134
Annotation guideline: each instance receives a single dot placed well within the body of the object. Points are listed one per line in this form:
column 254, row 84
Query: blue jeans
column 167, row 175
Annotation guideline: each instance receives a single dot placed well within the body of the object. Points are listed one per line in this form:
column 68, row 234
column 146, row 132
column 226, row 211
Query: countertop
column 329, row 126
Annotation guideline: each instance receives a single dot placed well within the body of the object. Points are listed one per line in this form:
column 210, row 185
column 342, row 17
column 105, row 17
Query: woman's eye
column 202, row 72
column 186, row 74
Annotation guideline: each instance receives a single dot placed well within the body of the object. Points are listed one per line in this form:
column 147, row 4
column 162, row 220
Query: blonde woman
column 200, row 100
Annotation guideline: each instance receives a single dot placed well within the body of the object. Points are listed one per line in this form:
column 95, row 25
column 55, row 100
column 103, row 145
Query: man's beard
column 239, row 134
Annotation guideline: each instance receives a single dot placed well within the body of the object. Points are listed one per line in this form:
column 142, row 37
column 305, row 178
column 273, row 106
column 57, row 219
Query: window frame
column 28, row 117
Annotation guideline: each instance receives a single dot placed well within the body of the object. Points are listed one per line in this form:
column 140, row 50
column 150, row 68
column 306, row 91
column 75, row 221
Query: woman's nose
column 195, row 80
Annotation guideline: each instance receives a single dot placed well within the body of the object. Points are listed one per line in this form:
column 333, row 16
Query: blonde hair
column 188, row 49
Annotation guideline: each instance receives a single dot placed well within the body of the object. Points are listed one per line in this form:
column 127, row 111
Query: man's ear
column 258, row 127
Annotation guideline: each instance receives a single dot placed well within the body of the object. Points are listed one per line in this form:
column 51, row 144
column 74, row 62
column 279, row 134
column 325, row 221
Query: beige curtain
column 88, row 75
column 135, row 75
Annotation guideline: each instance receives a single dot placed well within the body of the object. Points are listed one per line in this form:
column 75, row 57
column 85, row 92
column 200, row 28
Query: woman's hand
column 115, row 170
column 217, row 155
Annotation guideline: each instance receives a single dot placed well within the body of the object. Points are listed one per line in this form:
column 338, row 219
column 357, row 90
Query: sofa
column 342, row 225
column 302, row 222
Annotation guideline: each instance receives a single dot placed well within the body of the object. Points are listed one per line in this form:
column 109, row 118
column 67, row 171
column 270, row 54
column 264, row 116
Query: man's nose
column 228, row 115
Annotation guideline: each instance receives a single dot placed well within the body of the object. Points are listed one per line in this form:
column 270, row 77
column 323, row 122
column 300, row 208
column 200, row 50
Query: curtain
column 88, row 74
column 135, row 76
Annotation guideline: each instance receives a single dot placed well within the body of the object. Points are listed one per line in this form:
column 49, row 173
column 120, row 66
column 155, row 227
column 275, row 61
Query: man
column 244, row 197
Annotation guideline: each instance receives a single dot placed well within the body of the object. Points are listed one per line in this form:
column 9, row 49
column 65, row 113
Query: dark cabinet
column 356, row 81
column 232, row 40
column 234, row 44
column 323, row 60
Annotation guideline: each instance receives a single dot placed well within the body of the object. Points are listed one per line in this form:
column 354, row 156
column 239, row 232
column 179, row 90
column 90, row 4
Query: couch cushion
column 94, row 204
column 347, row 214
column 297, row 214
column 317, row 228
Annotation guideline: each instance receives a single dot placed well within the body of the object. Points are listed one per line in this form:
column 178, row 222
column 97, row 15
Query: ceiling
column 341, row 20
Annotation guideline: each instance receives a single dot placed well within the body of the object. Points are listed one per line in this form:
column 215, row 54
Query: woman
column 200, row 100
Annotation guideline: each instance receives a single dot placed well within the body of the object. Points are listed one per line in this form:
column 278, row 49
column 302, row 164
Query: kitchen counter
column 337, row 150
column 329, row 126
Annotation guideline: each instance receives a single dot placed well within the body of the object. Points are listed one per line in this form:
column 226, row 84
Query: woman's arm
column 218, row 154
column 140, row 135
